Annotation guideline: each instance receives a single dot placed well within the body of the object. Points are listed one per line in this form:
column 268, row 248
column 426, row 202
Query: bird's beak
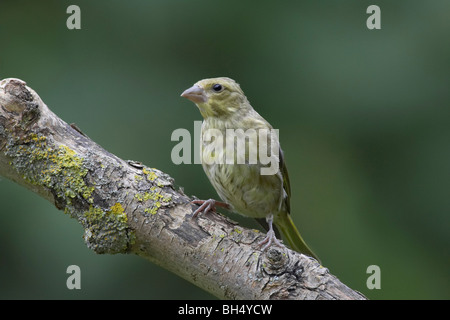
column 195, row 93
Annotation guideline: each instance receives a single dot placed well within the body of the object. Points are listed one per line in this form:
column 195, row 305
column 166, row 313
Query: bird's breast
column 230, row 158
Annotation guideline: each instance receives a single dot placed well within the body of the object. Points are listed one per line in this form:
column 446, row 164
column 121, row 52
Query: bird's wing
column 286, row 183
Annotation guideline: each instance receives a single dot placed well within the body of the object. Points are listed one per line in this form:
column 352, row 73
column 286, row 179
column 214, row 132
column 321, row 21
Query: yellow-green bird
column 241, row 182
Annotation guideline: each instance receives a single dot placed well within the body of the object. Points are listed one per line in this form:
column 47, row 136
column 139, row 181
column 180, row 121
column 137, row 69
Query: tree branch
column 126, row 207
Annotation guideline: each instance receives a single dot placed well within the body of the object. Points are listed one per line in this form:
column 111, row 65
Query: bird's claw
column 205, row 206
column 269, row 240
column 208, row 205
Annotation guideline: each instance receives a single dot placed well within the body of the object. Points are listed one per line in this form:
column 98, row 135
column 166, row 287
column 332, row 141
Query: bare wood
column 126, row 207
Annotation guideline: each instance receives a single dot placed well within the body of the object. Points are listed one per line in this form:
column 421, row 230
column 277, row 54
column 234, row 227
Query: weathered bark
column 126, row 207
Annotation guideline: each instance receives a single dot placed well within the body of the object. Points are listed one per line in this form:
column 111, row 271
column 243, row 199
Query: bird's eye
column 217, row 87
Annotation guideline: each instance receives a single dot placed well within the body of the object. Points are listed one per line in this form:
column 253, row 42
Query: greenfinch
column 236, row 168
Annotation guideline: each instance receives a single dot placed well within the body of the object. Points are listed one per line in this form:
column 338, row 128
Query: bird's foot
column 269, row 240
column 208, row 205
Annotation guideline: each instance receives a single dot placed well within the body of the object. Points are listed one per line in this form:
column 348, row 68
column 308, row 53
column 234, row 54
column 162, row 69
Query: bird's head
column 217, row 97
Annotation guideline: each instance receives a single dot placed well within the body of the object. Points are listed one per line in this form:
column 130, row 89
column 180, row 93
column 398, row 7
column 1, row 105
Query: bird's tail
column 287, row 227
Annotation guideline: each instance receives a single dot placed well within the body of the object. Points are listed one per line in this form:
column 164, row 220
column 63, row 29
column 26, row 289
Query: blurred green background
column 364, row 119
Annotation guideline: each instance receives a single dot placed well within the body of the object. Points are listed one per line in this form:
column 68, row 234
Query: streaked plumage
column 242, row 187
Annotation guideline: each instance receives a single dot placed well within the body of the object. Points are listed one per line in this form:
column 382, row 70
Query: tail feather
column 287, row 227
